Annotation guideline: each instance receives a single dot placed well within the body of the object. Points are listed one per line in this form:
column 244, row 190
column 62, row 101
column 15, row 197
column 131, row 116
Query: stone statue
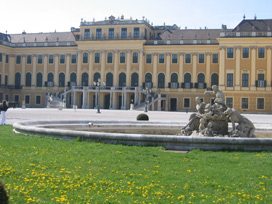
column 211, row 120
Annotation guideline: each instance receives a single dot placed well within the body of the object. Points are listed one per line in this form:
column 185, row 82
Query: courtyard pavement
column 13, row 115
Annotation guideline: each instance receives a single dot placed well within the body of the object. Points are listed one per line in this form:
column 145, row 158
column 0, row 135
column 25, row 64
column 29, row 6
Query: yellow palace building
column 117, row 62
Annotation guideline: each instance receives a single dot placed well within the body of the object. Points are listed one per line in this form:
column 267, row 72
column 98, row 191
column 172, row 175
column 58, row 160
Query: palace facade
column 135, row 62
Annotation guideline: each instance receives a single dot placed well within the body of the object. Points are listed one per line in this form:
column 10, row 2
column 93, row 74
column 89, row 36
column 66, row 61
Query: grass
column 44, row 170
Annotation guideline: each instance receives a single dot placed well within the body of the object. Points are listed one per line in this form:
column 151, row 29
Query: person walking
column 4, row 107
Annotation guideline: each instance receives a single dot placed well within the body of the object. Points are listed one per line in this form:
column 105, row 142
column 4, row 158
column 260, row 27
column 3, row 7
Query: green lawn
column 44, row 170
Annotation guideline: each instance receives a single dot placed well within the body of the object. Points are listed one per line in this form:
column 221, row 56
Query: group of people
column 3, row 109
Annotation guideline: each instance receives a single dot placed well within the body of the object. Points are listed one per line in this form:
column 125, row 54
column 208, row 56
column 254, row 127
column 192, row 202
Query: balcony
column 260, row 83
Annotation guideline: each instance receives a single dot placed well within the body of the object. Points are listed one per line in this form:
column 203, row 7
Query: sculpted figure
column 219, row 95
column 245, row 127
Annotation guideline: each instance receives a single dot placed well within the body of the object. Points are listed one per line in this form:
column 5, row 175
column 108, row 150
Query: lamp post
column 98, row 85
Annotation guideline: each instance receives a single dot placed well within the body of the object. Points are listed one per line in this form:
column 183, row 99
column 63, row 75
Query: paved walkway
column 261, row 121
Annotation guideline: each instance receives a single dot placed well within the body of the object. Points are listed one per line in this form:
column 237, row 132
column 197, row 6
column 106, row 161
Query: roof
column 191, row 34
column 254, row 25
column 42, row 37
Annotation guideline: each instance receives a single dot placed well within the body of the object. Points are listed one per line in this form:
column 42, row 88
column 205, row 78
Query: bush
column 142, row 116
column 3, row 195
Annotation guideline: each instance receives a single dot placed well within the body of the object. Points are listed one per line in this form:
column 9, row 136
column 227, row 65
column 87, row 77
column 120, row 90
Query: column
column 141, row 76
column 194, row 75
column 90, row 66
column 237, row 70
column 167, row 74
column 84, row 97
column 113, row 99
column 23, row 69
column 45, row 63
column 253, row 68
column 34, row 70
column 181, row 67
column 11, row 71
column 56, row 74
column 268, row 57
column 4, row 68
column 67, row 70
column 115, row 72
column 79, row 57
column 110, row 99
column 128, row 72
column 222, row 68
column 208, row 69
column 155, row 69
column 103, row 65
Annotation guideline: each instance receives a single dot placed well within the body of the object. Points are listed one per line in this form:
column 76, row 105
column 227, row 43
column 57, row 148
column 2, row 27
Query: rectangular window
column 260, row 103
column 186, row 103
column 29, row 59
column 124, row 33
column 18, row 59
column 261, row 53
column 148, row 59
column 215, row 58
column 111, row 33
column 188, row 58
column 1, row 57
column 98, row 33
column 51, row 59
column 245, row 52
column 244, row 103
column 97, row 58
column 229, row 52
column 135, row 57
column 244, row 80
column 161, row 58
column 136, row 32
column 229, row 102
column 40, row 59
column 230, row 80
column 261, row 82
column 7, row 59
column 122, row 57
column 73, row 59
column 85, row 57
column 201, row 58
column 38, row 100
column 109, row 57
column 6, row 80
column 16, row 98
column 62, row 59
column 87, row 34
column 27, row 99
column 174, row 58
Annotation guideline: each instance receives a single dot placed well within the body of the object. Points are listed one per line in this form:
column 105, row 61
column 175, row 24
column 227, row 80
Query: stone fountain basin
column 142, row 134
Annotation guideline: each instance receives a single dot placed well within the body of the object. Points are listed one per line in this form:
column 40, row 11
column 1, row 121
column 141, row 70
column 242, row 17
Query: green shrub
column 142, row 116
column 3, row 194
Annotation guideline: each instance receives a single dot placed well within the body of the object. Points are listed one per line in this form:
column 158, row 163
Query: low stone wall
column 170, row 142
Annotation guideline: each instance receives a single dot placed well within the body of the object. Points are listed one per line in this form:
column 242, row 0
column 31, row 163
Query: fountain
column 207, row 129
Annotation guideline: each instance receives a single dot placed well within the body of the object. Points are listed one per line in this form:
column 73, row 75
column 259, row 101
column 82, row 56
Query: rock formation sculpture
column 211, row 120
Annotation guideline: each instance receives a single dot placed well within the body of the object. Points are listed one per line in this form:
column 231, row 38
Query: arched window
column 50, row 77
column 85, row 79
column 187, row 81
column 214, row 79
column 39, row 80
column 200, row 81
column 148, row 77
column 28, row 79
column 96, row 76
column 148, row 81
column 122, row 79
column 73, row 77
column 61, row 80
column 134, row 79
column 109, row 79
column 161, row 80
column 17, row 80
column 174, row 78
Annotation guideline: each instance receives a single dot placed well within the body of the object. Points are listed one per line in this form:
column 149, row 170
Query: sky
column 34, row 16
